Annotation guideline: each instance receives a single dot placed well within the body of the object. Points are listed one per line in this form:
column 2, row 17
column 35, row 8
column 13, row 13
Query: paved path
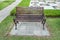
column 2, row 0
column 6, row 11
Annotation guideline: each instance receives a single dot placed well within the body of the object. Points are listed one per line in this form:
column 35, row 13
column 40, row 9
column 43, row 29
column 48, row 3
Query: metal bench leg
column 43, row 23
column 43, row 26
column 15, row 22
column 15, row 26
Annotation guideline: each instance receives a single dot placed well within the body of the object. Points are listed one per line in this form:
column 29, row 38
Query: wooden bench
column 29, row 14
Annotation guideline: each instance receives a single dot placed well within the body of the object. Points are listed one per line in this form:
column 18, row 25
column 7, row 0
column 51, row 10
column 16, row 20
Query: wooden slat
column 29, row 14
column 29, row 10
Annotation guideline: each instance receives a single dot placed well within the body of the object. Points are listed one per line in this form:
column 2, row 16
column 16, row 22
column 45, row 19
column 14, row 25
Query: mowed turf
column 5, row 25
column 52, row 12
column 5, row 3
column 53, row 27
column 24, row 3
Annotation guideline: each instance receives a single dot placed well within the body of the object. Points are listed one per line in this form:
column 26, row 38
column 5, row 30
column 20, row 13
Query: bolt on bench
column 29, row 14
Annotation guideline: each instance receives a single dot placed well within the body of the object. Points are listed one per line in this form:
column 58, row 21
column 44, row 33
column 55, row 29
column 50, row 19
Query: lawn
column 53, row 25
column 5, row 3
column 4, row 26
column 52, row 13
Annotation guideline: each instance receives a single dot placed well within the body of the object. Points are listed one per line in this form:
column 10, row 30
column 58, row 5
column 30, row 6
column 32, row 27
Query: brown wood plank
column 29, row 14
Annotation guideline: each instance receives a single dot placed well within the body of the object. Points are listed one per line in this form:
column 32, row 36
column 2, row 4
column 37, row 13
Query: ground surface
column 54, row 28
column 46, row 5
column 30, row 28
column 53, row 23
column 5, row 3
column 6, row 11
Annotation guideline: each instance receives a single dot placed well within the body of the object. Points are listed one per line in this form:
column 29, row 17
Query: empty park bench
column 29, row 14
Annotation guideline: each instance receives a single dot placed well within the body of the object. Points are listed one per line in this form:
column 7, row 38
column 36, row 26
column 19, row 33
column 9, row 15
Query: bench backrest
column 29, row 13
column 29, row 10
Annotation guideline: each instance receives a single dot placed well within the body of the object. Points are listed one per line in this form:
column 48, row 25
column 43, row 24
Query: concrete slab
column 30, row 28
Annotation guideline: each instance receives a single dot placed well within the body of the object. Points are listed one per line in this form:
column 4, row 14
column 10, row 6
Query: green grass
column 5, row 3
column 53, row 24
column 52, row 12
column 4, row 26
column 24, row 3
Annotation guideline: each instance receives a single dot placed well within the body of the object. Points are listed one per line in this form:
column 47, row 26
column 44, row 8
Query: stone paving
column 46, row 5
column 30, row 28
